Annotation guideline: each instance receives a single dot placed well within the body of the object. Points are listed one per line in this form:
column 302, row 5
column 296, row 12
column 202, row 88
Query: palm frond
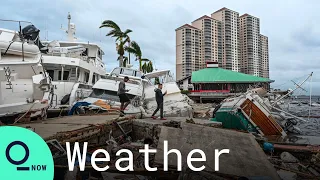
column 126, row 32
column 150, row 66
column 127, row 39
column 144, row 68
column 112, row 32
column 130, row 50
column 145, row 59
column 137, row 49
column 110, row 24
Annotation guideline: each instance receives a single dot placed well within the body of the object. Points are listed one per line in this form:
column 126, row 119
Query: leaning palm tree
column 121, row 38
column 134, row 48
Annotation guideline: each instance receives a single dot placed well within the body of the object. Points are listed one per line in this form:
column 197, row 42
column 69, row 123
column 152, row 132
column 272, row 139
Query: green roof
column 219, row 75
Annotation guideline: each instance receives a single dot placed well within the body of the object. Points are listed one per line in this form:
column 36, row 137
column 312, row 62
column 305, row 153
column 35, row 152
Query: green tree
column 147, row 67
column 121, row 38
column 136, row 50
column 156, row 80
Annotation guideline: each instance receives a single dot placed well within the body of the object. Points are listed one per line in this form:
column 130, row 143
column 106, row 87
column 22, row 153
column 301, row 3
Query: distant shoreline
column 305, row 97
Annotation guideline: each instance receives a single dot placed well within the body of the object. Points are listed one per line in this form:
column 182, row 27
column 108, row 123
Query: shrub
column 185, row 91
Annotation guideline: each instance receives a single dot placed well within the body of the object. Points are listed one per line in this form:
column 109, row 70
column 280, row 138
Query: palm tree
column 135, row 49
column 121, row 38
column 147, row 67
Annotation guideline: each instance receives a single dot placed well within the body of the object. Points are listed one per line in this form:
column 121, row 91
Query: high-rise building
column 188, row 50
column 264, row 56
column 232, row 41
column 210, row 39
column 230, row 37
column 250, row 45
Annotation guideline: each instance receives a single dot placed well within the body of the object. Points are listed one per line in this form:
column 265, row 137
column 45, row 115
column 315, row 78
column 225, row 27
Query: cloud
column 292, row 28
column 308, row 37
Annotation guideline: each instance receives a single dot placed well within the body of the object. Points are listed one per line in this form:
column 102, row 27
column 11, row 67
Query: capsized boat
column 24, row 85
column 254, row 113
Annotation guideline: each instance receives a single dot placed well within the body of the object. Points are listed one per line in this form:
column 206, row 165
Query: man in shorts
column 124, row 100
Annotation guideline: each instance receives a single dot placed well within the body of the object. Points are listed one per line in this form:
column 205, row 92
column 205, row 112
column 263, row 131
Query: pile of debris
column 300, row 162
column 184, row 134
column 203, row 110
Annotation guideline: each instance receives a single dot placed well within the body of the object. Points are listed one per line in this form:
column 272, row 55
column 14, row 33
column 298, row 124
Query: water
column 312, row 125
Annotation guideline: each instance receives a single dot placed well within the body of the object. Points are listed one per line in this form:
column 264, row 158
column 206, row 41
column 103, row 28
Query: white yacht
column 24, row 85
column 141, row 92
column 73, row 67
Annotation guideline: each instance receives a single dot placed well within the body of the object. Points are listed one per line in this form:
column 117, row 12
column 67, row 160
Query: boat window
column 116, row 71
column 138, row 74
column 93, row 79
column 51, row 73
column 84, row 86
column 131, row 81
column 86, row 77
column 99, row 54
column 65, row 75
column 85, row 53
column 128, row 72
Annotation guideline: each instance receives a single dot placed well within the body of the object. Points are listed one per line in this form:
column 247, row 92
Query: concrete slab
column 52, row 126
column 98, row 119
column 48, row 130
column 246, row 157
column 151, row 121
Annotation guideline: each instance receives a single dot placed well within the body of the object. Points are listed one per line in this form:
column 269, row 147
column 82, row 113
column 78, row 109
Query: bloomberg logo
column 24, row 159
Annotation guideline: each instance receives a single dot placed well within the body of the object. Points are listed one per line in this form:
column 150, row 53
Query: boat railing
column 70, row 55
column 116, row 78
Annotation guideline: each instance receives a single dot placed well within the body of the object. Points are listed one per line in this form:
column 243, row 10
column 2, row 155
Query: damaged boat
column 24, row 84
column 73, row 68
column 141, row 93
column 253, row 112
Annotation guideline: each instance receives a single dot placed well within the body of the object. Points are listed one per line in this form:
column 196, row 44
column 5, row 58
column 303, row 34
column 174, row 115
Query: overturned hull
column 261, row 119
column 248, row 112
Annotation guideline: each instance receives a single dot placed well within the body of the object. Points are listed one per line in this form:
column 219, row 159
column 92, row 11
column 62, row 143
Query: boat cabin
column 77, row 62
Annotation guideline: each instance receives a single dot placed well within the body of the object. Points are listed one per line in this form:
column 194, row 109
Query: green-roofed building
column 214, row 82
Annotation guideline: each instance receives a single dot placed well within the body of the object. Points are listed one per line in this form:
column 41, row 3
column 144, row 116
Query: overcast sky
column 292, row 26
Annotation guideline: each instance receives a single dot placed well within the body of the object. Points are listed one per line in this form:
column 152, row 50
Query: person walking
column 159, row 99
column 124, row 100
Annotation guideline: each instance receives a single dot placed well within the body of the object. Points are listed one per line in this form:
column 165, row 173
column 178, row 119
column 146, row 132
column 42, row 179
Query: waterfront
column 312, row 125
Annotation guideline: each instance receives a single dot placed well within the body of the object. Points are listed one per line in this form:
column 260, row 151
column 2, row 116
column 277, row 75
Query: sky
column 292, row 26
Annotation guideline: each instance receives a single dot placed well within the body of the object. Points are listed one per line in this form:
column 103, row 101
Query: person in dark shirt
column 159, row 99
column 124, row 100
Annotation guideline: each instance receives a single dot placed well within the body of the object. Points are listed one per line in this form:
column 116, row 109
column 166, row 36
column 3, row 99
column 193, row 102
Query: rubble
column 287, row 175
column 288, row 158
column 203, row 110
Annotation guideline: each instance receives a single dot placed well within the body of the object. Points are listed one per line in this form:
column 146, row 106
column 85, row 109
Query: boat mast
column 71, row 30
column 298, row 86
